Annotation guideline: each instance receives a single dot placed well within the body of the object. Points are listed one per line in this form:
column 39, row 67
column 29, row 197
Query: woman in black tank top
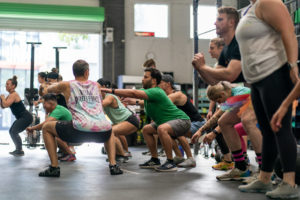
column 23, row 117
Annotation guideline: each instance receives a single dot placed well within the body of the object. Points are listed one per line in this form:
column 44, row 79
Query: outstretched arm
column 138, row 94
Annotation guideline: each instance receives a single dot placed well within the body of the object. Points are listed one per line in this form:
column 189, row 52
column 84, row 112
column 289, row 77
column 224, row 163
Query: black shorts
column 132, row 119
column 68, row 133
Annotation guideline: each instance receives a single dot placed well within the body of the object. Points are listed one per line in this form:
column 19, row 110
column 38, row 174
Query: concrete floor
column 89, row 178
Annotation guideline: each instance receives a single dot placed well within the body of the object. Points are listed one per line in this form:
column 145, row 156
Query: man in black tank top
column 184, row 103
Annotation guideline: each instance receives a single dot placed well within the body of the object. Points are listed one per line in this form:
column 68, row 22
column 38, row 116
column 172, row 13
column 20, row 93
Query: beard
column 147, row 85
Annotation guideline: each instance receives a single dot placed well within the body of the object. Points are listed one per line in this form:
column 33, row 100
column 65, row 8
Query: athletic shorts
column 179, row 126
column 196, row 126
column 132, row 119
column 68, row 133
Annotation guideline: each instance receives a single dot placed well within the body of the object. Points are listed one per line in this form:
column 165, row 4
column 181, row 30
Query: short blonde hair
column 214, row 91
column 219, row 42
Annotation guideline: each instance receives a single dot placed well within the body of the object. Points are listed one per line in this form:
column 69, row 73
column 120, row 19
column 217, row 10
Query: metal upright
column 57, row 56
column 196, row 49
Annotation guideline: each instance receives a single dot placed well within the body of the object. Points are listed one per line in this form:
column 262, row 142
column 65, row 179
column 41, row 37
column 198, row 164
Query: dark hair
column 50, row 97
column 80, row 67
column 231, row 13
column 60, row 78
column 14, row 81
column 52, row 75
column 149, row 63
column 114, row 86
column 154, row 74
column 43, row 75
column 54, row 69
column 104, row 83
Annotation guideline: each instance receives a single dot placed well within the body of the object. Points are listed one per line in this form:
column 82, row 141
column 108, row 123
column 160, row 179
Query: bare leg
column 119, row 147
column 124, row 142
column 164, row 132
column 249, row 123
column 110, row 147
column 64, row 146
column 176, row 149
column 148, row 133
column 49, row 134
column 185, row 145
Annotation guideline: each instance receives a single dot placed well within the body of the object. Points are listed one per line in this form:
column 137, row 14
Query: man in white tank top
column 88, row 120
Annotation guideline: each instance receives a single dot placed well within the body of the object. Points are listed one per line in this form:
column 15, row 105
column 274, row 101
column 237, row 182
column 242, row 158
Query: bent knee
column 48, row 126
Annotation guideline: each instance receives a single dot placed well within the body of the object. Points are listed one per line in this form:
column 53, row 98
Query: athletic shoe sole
column 191, row 166
column 294, row 196
column 231, row 179
column 254, row 191
column 166, row 170
column 149, row 167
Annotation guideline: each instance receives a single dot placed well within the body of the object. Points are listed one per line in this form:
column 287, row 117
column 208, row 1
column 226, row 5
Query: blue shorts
column 196, row 125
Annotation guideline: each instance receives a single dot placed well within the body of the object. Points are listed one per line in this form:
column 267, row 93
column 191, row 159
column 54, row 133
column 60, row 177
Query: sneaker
column 167, row 167
column 150, row 164
column 146, row 153
column 251, row 178
column 128, row 154
column 50, row 172
column 256, row 186
column 115, row 170
column 68, row 158
column 190, row 162
column 17, row 153
column 162, row 153
column 178, row 160
column 122, row 159
column 234, row 175
column 284, row 191
column 223, row 165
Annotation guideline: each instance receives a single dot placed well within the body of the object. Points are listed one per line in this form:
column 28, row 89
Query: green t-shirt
column 60, row 113
column 160, row 108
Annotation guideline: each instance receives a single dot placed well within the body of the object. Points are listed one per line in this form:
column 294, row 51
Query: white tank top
column 85, row 104
column 261, row 47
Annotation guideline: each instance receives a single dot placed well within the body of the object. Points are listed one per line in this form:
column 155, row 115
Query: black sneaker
column 50, row 172
column 115, row 170
column 150, row 164
column 167, row 167
column 17, row 153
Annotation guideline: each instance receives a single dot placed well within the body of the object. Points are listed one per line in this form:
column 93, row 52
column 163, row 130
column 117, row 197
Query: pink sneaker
column 68, row 158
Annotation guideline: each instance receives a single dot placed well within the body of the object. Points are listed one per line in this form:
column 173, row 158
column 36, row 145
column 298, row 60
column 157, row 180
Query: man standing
column 169, row 121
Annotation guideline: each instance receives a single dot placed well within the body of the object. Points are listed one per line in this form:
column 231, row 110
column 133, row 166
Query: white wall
column 94, row 3
column 171, row 54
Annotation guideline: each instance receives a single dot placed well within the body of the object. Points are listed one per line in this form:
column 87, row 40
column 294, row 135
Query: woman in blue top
column 235, row 108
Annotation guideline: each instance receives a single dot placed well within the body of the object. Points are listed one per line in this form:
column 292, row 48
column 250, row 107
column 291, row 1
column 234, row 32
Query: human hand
column 196, row 137
column 209, row 115
column 277, row 118
column 129, row 101
column 198, row 61
column 29, row 129
column 208, row 138
column 106, row 90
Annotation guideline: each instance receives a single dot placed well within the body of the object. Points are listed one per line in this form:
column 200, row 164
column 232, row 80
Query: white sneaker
column 190, row 162
column 178, row 160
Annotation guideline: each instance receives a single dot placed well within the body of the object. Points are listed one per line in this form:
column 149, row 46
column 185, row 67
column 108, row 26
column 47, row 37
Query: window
column 151, row 18
column 206, row 21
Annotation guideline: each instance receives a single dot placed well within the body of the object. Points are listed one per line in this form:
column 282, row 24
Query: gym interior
column 140, row 59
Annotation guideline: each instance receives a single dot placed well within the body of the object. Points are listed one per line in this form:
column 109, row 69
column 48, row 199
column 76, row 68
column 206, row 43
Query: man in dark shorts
column 88, row 120
column 168, row 121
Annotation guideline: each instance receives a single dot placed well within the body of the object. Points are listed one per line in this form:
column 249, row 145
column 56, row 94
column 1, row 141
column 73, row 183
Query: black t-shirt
column 231, row 52
column 61, row 100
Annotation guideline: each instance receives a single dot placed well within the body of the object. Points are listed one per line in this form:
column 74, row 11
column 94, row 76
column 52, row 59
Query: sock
column 259, row 159
column 239, row 160
column 155, row 159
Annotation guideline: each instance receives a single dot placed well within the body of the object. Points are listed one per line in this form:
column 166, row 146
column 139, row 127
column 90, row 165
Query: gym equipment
column 57, row 56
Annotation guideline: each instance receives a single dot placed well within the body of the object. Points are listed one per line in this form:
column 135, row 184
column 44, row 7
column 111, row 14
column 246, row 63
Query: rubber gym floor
column 88, row 178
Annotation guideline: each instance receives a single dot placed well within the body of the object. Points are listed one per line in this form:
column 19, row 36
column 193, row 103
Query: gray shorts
column 179, row 126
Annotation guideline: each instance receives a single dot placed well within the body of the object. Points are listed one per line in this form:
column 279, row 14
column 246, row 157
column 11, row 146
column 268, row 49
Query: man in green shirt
column 55, row 113
column 169, row 122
